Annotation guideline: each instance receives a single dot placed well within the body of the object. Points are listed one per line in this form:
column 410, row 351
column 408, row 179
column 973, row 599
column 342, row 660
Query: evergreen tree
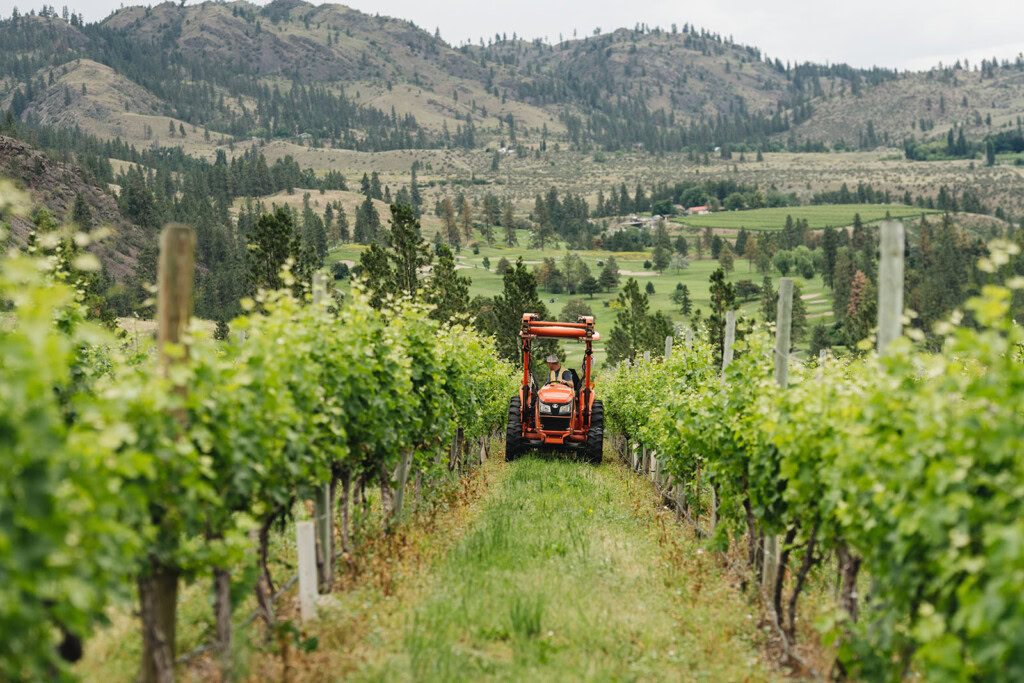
column 725, row 258
column 662, row 258
column 741, row 242
column 830, row 245
column 376, row 274
column 408, row 252
column 270, row 245
column 448, row 290
column 451, row 229
column 681, row 246
column 769, row 300
column 636, row 330
column 798, row 320
column 842, row 280
column 681, row 298
column 466, row 221
column 342, row 224
column 375, row 191
column 509, row 224
column 723, row 298
column 609, row 278
column 519, row 296
column 367, row 222
column 81, row 215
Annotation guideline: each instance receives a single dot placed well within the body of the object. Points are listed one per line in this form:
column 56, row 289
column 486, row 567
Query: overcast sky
column 907, row 34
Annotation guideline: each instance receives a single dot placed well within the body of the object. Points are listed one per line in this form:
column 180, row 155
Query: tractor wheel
column 595, row 437
column 514, row 432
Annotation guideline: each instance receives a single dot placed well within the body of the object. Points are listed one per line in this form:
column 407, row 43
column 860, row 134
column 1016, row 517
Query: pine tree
column 466, row 221
column 842, row 280
column 375, row 191
column 635, row 329
column 769, row 300
column 342, row 223
column 609, row 278
column 451, row 229
column 408, row 252
column 682, row 246
column 80, row 213
column 270, row 245
column 723, row 299
column 509, row 224
column 376, row 274
column 798, row 319
column 725, row 258
column 741, row 241
column 448, row 290
column 519, row 296
column 681, row 298
column 367, row 222
column 830, row 246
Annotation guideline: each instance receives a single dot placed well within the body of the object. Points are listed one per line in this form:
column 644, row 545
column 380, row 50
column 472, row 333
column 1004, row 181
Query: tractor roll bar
column 561, row 332
column 584, row 329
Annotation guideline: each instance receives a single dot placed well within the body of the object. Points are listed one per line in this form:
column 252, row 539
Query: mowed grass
column 817, row 217
column 562, row 577
column 486, row 282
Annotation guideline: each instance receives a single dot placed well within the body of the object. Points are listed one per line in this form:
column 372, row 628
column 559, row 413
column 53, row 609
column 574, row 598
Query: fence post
column 323, row 507
column 784, row 319
column 688, row 337
column 158, row 585
column 668, row 347
column 306, row 540
column 647, row 356
column 730, row 338
column 890, row 283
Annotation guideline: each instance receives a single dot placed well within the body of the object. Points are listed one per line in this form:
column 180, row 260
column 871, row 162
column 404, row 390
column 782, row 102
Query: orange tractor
column 560, row 414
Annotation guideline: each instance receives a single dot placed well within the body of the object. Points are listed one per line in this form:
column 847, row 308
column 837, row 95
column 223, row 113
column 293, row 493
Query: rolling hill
column 352, row 80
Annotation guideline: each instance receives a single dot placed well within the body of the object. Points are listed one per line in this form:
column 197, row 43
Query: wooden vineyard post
column 305, row 538
column 784, row 319
column 688, row 337
column 323, row 502
column 727, row 355
column 890, row 284
column 403, row 480
column 647, row 356
column 158, row 584
column 668, row 347
column 730, row 338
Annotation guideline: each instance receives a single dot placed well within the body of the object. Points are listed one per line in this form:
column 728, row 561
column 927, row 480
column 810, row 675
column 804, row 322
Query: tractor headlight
column 545, row 408
column 566, row 409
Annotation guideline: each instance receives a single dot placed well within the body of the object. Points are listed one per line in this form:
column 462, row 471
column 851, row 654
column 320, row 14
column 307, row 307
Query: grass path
column 570, row 572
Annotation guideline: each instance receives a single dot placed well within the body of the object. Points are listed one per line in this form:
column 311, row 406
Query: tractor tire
column 595, row 437
column 514, row 431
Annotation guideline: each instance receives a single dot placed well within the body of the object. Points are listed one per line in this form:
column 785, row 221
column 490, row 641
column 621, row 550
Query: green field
column 824, row 216
column 695, row 277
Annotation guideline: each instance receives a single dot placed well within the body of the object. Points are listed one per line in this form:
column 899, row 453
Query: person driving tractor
column 557, row 374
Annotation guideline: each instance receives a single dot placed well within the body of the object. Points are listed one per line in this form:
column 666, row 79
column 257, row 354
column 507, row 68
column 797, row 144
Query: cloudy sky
column 907, row 34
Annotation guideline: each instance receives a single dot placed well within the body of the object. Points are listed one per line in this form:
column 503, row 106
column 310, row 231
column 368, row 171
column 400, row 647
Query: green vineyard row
column 908, row 468
column 115, row 472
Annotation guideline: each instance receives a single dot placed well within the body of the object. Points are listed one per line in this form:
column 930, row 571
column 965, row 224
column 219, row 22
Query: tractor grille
column 550, row 423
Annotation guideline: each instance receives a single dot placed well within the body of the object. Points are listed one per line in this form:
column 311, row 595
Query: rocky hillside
column 239, row 69
column 55, row 185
